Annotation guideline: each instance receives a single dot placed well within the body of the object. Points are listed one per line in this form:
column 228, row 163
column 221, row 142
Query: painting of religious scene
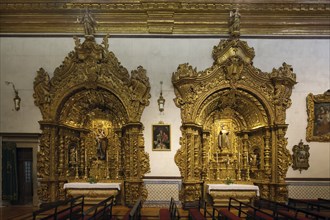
column 322, row 119
column 318, row 109
column 161, row 137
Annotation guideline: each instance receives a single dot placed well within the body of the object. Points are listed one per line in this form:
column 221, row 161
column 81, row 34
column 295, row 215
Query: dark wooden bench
column 217, row 214
column 319, row 207
column 68, row 209
column 102, row 210
column 237, row 210
column 281, row 210
column 135, row 212
column 194, row 210
column 170, row 213
column 228, row 213
column 249, row 211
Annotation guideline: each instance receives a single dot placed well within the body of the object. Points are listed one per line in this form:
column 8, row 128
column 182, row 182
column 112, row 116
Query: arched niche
column 91, row 126
column 233, row 122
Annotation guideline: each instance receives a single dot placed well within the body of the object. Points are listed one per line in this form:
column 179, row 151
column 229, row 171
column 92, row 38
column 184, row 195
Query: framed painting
column 161, row 137
column 318, row 111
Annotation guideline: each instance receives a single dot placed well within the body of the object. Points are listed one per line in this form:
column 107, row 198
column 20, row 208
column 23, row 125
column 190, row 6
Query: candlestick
column 85, row 163
column 85, row 157
column 76, row 155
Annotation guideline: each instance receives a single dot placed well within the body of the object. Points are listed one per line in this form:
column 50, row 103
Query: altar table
column 220, row 193
column 94, row 192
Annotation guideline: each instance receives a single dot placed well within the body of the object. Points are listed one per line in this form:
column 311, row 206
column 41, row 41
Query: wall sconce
column 161, row 100
column 17, row 99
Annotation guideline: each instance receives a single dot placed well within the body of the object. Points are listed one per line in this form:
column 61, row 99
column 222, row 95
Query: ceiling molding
column 269, row 18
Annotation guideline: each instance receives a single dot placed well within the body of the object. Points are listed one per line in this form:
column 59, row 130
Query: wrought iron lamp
column 161, row 100
column 17, row 99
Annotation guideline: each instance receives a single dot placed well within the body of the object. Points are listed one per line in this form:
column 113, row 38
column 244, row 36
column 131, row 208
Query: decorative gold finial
column 234, row 23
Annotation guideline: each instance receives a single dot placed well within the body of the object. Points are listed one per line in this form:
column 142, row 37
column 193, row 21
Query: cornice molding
column 266, row 18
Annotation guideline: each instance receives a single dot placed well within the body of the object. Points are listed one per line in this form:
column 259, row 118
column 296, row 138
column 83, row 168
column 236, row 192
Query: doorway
column 24, row 176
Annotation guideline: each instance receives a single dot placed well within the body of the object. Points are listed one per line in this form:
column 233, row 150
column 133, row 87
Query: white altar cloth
column 92, row 186
column 226, row 187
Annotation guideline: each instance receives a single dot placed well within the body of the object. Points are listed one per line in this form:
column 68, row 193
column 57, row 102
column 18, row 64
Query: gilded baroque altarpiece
column 233, row 121
column 91, row 110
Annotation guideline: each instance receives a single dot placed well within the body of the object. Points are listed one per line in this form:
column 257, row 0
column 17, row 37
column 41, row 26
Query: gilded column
column 245, row 150
column 136, row 163
column 189, row 160
column 61, row 170
column 206, row 155
column 267, row 152
column 43, row 165
column 118, row 153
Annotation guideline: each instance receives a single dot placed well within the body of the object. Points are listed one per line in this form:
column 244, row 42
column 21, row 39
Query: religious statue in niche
column 73, row 157
column 300, row 156
column 101, row 143
column 223, row 138
column 255, row 158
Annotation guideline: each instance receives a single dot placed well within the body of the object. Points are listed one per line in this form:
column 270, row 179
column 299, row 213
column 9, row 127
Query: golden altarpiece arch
column 233, row 122
column 91, row 110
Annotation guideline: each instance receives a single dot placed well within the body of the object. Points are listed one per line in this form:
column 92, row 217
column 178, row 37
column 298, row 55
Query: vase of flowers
column 228, row 181
column 92, row 180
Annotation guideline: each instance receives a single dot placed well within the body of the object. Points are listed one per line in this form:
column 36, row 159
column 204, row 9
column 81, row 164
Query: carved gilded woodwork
column 300, row 156
column 221, row 198
column 167, row 17
column 233, row 122
column 91, row 127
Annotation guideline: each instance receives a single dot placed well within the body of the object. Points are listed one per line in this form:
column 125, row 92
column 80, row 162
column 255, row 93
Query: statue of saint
column 89, row 23
column 234, row 23
column 102, row 143
column 223, row 139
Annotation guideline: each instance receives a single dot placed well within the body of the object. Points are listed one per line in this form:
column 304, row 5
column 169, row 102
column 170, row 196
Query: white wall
column 22, row 57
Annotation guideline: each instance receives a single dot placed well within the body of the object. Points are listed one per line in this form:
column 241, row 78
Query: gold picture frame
column 161, row 137
column 318, row 122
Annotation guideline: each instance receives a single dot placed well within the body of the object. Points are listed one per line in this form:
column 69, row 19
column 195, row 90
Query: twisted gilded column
column 136, row 163
column 189, row 159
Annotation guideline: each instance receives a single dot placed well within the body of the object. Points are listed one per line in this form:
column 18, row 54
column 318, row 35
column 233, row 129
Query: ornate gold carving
column 221, row 198
column 318, row 111
column 283, row 80
column 243, row 111
column 176, row 17
column 300, row 156
column 92, row 196
column 91, row 110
